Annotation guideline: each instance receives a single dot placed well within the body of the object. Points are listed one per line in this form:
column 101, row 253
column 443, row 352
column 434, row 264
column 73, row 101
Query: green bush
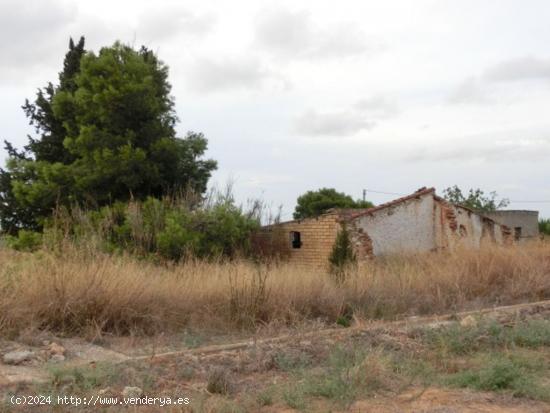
column 544, row 226
column 25, row 241
column 172, row 228
column 342, row 255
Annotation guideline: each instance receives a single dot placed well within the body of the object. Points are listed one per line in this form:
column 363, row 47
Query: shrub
column 342, row 255
column 172, row 228
column 25, row 241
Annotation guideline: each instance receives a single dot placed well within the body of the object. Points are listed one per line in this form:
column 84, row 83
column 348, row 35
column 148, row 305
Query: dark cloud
column 293, row 34
column 343, row 123
column 161, row 24
column 523, row 68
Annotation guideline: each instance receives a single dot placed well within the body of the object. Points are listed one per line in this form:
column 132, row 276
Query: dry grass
column 76, row 293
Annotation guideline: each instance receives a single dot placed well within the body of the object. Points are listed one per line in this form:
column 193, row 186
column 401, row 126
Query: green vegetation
column 500, row 372
column 342, row 255
column 169, row 229
column 84, row 378
column 315, row 203
column 25, row 241
column 544, row 226
column 476, row 199
column 457, row 340
column 488, row 357
column 106, row 133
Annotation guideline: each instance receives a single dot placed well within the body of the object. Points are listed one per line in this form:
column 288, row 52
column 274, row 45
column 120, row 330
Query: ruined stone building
column 416, row 223
column 524, row 224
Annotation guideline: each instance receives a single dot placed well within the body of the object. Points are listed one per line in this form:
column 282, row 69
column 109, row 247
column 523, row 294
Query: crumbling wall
column 526, row 221
column 404, row 227
column 317, row 240
column 457, row 226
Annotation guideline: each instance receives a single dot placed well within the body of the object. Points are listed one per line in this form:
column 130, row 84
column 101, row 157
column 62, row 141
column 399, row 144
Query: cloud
column 379, row 107
column 30, row 34
column 365, row 114
column 161, row 24
column 343, row 123
column 469, row 91
column 523, row 68
column 479, row 148
column 293, row 34
column 210, row 75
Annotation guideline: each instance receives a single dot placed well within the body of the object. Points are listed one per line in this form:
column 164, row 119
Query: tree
column 476, row 199
column 314, row 203
column 107, row 133
column 47, row 147
column 342, row 255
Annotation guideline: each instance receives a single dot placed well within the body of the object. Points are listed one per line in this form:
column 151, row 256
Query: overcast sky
column 292, row 96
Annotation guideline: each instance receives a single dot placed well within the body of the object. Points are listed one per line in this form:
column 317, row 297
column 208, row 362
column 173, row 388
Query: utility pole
column 364, row 195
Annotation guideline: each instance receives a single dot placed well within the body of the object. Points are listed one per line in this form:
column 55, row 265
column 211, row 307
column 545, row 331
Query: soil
column 186, row 368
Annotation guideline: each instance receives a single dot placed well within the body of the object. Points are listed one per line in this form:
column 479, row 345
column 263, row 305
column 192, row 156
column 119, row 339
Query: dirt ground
column 495, row 360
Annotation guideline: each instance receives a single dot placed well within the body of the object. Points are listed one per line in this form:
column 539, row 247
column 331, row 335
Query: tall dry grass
column 74, row 292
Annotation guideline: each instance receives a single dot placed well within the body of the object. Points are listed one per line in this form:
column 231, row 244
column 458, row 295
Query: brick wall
column 317, row 235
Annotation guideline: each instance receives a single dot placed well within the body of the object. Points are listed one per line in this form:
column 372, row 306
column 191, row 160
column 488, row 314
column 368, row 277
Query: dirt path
column 256, row 364
column 82, row 353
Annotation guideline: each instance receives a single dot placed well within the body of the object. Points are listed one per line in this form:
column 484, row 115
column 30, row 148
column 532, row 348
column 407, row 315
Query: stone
column 130, row 391
column 104, row 391
column 17, row 357
column 55, row 348
column 468, row 322
column 57, row 358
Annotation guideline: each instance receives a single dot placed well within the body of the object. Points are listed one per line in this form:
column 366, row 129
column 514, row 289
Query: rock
column 104, row 391
column 468, row 322
column 132, row 392
column 55, row 348
column 17, row 357
column 57, row 358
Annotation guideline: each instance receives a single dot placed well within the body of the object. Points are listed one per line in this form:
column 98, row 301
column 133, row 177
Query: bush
column 342, row 255
column 544, row 226
column 172, row 228
column 25, row 241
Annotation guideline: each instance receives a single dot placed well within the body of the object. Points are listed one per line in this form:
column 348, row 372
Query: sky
column 386, row 96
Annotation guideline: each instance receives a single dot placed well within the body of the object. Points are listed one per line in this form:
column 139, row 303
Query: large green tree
column 475, row 199
column 106, row 132
column 314, row 203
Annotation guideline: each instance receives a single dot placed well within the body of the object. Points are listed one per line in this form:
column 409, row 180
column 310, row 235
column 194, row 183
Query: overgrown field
column 499, row 362
column 77, row 293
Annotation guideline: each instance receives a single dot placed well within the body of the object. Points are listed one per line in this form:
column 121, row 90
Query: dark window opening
column 517, row 233
column 462, row 230
column 295, row 239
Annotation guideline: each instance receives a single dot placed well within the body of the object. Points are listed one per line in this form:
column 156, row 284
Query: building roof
column 414, row 195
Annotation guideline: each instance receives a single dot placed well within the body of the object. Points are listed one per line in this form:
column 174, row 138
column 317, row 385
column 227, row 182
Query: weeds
column 504, row 373
column 77, row 292
column 219, row 381
column 488, row 335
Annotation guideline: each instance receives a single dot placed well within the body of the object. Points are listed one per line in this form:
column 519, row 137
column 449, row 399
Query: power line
column 545, row 201
column 529, row 202
column 385, row 193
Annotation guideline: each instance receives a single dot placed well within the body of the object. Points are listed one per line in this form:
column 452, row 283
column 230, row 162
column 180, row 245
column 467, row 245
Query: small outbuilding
column 524, row 224
column 419, row 222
